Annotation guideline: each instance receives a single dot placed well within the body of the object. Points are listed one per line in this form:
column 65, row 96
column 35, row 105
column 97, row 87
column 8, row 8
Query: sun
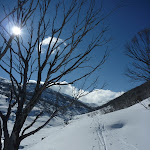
column 16, row 30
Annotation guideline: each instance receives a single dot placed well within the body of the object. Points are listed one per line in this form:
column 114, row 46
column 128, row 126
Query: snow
column 127, row 129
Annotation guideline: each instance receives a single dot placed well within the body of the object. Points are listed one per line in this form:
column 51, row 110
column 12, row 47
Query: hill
column 127, row 99
column 126, row 129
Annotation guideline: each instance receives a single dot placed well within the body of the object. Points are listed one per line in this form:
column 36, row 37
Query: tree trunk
column 13, row 142
column 0, row 136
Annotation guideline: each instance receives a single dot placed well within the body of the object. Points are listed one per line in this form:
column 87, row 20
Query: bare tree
column 48, row 52
column 139, row 50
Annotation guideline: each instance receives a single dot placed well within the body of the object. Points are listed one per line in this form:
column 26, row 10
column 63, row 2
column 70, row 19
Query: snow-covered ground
column 127, row 129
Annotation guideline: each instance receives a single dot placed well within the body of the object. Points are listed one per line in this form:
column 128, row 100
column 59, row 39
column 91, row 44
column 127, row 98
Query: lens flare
column 16, row 30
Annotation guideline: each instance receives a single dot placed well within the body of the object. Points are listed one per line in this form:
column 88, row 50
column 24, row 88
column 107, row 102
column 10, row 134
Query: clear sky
column 124, row 23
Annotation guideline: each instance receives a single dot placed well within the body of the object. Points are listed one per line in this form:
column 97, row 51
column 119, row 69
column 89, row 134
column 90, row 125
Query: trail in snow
column 99, row 132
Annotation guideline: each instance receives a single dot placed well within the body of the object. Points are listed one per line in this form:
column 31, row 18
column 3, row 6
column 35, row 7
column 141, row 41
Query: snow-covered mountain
column 49, row 100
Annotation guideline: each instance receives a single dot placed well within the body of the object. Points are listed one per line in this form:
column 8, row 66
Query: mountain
column 49, row 100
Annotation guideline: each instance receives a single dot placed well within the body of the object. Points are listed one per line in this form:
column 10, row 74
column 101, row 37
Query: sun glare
column 16, row 30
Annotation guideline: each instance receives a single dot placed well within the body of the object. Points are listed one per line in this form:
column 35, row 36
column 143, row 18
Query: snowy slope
column 49, row 100
column 127, row 129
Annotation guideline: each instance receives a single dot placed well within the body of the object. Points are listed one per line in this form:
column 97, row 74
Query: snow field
column 127, row 129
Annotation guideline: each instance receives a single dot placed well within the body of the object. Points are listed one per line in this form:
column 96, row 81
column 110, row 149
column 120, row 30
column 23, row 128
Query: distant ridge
column 127, row 99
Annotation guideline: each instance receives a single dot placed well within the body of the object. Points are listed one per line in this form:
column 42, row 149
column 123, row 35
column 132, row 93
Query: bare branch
column 33, row 122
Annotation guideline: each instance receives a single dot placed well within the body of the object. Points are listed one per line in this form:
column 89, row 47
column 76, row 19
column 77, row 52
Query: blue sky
column 124, row 23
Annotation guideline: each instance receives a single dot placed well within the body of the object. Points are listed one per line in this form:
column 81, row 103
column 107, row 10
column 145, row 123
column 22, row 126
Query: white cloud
column 47, row 40
column 98, row 96
column 66, row 89
column 33, row 81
